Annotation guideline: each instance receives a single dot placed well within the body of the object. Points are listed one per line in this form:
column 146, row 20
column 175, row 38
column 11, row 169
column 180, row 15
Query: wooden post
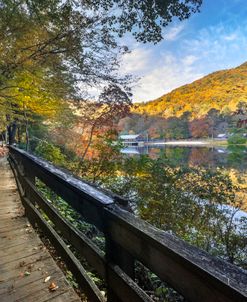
column 115, row 254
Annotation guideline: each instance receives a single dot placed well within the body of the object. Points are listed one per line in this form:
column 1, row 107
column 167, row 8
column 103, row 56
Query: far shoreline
column 222, row 143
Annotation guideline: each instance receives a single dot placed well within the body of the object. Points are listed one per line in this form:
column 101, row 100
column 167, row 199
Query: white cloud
column 172, row 33
column 219, row 47
column 136, row 61
column 189, row 60
column 231, row 37
column 213, row 48
column 169, row 74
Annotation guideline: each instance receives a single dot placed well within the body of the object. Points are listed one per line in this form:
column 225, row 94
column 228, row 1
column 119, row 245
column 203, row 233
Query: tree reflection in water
column 184, row 192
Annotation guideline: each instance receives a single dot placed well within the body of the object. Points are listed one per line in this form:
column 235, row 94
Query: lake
column 204, row 216
column 232, row 159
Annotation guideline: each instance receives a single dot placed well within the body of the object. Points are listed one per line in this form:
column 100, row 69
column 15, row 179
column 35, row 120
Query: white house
column 132, row 139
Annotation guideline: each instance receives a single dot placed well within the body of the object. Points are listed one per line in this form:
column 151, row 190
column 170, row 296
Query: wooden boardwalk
column 25, row 264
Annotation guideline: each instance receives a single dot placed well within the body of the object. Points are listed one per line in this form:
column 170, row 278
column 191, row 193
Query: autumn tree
column 59, row 49
column 97, row 118
column 199, row 128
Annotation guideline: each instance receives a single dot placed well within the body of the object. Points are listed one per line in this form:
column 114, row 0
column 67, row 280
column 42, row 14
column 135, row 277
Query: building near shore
column 132, row 139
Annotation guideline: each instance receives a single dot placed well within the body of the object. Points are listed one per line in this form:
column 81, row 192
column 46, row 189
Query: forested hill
column 221, row 90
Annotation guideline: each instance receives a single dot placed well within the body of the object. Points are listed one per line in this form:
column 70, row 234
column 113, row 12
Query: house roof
column 129, row 136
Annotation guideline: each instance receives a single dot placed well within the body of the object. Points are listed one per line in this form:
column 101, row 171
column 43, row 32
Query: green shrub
column 236, row 139
column 50, row 152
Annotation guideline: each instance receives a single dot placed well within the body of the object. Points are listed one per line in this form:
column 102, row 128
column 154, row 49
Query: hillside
column 203, row 108
column 221, row 90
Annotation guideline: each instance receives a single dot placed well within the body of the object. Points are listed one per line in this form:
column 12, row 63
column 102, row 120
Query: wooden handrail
column 194, row 273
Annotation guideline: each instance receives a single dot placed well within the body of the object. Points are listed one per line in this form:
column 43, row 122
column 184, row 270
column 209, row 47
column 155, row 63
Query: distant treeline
column 210, row 125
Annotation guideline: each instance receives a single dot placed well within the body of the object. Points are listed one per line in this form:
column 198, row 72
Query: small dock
column 27, row 271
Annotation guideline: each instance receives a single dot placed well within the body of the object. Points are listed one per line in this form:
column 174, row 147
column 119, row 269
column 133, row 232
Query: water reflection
column 202, row 206
column 234, row 157
column 232, row 160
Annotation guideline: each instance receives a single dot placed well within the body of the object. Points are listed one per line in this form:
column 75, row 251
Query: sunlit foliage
column 222, row 90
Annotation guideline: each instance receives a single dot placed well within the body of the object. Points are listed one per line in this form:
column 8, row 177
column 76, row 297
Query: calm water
column 232, row 160
column 211, row 157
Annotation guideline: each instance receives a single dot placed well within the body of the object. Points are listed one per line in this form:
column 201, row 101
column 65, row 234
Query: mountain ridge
column 222, row 90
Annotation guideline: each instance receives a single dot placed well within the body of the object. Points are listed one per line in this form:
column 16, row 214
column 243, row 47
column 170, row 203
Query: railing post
column 28, row 171
column 22, row 172
column 115, row 254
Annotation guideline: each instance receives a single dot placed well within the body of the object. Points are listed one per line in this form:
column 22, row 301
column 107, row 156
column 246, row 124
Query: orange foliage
column 199, row 128
column 222, row 90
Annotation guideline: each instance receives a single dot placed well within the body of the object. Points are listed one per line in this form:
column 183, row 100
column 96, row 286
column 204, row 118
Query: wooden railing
column 190, row 271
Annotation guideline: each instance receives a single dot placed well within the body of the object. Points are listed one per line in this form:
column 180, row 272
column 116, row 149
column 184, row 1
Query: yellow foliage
column 222, row 90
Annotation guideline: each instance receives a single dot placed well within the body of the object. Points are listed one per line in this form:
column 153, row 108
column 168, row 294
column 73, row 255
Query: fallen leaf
column 22, row 263
column 53, row 286
column 30, row 267
column 47, row 279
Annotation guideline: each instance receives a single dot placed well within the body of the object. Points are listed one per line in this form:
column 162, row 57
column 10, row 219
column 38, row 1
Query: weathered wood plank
column 36, row 290
column 40, row 262
column 20, row 282
column 11, row 225
column 22, row 251
column 19, row 253
column 63, row 297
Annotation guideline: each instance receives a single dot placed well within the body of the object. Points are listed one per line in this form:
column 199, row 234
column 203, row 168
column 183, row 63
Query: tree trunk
column 3, row 138
column 12, row 129
column 26, row 130
column 89, row 142
column 27, row 136
column 18, row 135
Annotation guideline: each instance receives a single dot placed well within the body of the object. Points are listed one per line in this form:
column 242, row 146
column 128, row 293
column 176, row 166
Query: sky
column 214, row 39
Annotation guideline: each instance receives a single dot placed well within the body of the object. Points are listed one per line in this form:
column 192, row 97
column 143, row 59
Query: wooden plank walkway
column 24, row 261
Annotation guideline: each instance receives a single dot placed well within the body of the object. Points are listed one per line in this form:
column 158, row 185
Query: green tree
column 237, row 139
column 50, row 153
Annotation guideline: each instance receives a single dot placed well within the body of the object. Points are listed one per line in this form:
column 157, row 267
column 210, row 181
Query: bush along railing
column 193, row 273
